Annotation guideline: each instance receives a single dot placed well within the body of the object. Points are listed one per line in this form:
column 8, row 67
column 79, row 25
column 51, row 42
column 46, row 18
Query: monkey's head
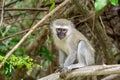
column 62, row 28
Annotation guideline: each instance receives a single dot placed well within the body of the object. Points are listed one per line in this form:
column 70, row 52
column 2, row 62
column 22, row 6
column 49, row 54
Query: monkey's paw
column 66, row 69
column 63, row 74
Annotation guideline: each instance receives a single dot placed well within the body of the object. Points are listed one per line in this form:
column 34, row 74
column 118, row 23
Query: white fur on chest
column 62, row 45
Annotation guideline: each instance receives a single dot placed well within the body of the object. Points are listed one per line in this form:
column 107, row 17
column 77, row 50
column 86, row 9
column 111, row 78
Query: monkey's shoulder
column 78, row 36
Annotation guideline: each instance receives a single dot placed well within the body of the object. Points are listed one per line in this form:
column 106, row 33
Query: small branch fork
column 88, row 71
column 31, row 30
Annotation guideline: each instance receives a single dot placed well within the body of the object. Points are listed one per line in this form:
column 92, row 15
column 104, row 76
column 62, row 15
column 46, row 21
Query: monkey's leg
column 85, row 56
column 70, row 60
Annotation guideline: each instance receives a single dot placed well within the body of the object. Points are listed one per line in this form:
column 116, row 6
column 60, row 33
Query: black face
column 61, row 32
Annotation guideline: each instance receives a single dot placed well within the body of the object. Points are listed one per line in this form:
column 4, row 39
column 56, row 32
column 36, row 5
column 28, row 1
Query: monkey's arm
column 62, row 58
column 70, row 60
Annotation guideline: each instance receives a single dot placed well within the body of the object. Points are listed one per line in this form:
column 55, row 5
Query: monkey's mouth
column 61, row 35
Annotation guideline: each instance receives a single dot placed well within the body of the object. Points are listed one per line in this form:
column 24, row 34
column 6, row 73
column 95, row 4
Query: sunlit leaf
column 52, row 6
column 1, row 58
column 114, row 2
column 100, row 4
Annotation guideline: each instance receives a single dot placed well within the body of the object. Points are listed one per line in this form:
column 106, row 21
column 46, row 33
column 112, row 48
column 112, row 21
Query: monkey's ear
column 72, row 24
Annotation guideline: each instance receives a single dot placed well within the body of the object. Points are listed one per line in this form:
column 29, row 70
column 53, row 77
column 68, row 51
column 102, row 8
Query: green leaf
column 52, row 6
column 114, row 2
column 8, row 69
column 100, row 4
column 1, row 58
column 45, row 52
column 19, row 52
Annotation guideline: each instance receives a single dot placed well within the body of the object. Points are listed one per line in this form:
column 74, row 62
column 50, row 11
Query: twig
column 86, row 71
column 18, row 33
column 31, row 30
column 35, row 14
column 102, row 23
column 2, row 13
column 91, row 31
column 25, row 9
column 84, row 20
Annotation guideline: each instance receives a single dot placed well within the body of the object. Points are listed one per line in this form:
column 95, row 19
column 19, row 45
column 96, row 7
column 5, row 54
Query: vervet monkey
column 75, row 51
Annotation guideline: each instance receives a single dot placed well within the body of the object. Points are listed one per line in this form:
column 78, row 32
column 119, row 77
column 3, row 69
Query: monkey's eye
column 64, row 30
column 58, row 29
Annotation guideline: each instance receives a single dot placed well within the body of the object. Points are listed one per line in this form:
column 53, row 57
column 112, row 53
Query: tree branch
column 87, row 71
column 2, row 13
column 111, row 77
column 18, row 33
column 25, row 9
column 31, row 30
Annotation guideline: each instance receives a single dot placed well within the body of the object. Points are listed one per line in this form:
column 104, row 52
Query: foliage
column 46, row 53
column 52, row 6
column 100, row 4
column 15, row 22
column 16, row 62
column 19, row 59
column 50, row 2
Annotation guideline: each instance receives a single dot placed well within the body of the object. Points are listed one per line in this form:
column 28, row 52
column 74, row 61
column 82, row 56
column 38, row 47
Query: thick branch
column 2, row 13
column 111, row 77
column 31, row 30
column 87, row 71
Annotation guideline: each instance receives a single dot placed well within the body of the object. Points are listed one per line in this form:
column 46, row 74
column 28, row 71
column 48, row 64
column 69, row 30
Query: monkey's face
column 61, row 32
column 62, row 28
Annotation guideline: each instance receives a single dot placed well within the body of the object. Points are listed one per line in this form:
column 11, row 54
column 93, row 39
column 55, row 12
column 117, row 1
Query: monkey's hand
column 64, row 72
column 67, row 69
